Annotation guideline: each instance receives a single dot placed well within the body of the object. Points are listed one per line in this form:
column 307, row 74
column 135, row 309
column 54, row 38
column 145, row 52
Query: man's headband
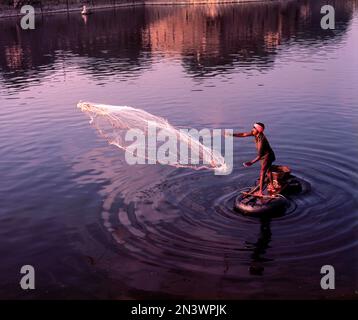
column 258, row 127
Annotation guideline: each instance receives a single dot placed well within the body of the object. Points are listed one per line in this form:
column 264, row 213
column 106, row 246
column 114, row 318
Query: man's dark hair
column 261, row 124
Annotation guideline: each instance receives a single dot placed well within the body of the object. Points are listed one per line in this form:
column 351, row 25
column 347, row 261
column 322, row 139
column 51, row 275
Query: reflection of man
column 260, row 246
column 264, row 153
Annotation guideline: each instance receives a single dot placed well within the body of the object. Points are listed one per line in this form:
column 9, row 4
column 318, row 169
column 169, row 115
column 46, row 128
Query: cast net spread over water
column 149, row 139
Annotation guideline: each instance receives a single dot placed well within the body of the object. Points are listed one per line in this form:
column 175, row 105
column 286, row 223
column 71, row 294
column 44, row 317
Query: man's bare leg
column 269, row 174
column 270, row 187
column 262, row 182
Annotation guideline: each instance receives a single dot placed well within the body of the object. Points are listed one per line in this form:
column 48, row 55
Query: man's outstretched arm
column 242, row 134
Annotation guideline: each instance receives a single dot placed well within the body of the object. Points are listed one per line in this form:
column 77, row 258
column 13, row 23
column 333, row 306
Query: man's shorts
column 266, row 161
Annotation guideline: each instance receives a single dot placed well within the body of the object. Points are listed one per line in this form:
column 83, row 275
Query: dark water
column 95, row 227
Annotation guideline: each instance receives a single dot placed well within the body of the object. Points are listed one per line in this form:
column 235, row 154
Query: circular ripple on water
column 187, row 222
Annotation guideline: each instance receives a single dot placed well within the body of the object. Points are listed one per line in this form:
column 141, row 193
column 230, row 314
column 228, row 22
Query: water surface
column 95, row 227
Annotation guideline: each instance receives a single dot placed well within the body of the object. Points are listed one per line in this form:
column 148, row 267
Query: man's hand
column 247, row 164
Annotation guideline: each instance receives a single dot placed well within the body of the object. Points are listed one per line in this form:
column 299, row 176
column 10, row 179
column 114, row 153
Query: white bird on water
column 85, row 11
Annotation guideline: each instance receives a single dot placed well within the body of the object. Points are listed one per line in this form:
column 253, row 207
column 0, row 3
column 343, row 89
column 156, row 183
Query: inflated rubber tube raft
column 273, row 203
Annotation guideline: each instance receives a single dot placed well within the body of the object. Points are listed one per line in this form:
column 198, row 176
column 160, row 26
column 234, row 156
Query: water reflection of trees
column 110, row 42
column 208, row 39
column 216, row 39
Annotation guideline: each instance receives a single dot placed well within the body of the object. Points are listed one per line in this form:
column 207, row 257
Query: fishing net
column 150, row 139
